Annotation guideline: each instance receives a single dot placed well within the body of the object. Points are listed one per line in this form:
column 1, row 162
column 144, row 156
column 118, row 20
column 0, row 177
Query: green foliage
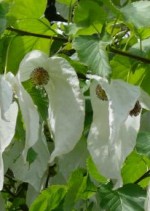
column 79, row 187
column 20, row 10
column 92, row 52
column 31, row 156
column 3, row 12
column 39, row 96
column 130, row 197
column 49, row 199
column 89, row 14
column 134, row 167
column 94, row 172
column 135, row 13
column 143, row 143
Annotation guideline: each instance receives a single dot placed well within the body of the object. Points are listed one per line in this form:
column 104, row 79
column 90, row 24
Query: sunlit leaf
column 49, row 199
column 94, row 173
column 29, row 9
column 134, row 167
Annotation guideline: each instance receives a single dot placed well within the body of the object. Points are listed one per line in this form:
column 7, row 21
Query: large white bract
column 66, row 104
column 113, row 131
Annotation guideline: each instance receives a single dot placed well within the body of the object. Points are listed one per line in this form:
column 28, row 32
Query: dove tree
column 74, row 105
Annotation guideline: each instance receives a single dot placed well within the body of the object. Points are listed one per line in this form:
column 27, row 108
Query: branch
column 129, row 55
column 51, row 172
column 145, row 175
column 25, row 33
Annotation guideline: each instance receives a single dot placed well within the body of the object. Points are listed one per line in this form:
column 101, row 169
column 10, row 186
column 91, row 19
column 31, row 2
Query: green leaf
column 87, row 189
column 74, row 185
column 2, row 203
column 120, row 67
column 28, row 9
column 31, row 155
column 20, row 131
column 39, row 97
column 92, row 52
column 112, row 7
column 143, row 143
column 49, row 199
column 80, row 187
column 142, row 73
column 37, row 26
column 128, row 198
column 89, row 13
column 3, row 11
column 128, row 70
column 94, row 172
column 134, row 167
column 137, row 13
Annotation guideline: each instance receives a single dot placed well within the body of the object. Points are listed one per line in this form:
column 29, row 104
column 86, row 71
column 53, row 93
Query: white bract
column 66, row 105
column 7, row 131
column 32, row 173
column 28, row 110
column 10, row 90
column 113, row 131
column 147, row 201
column 8, row 116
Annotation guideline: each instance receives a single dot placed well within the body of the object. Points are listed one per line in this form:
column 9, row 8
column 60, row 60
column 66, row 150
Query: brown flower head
column 39, row 76
column 101, row 94
column 136, row 110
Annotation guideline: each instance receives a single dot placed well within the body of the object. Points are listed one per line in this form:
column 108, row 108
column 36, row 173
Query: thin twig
column 25, row 33
column 129, row 55
column 145, row 175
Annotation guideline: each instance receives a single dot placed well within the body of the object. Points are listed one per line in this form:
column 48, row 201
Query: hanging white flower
column 7, row 131
column 8, row 116
column 34, row 172
column 116, row 120
column 66, row 105
column 28, row 110
column 10, row 90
